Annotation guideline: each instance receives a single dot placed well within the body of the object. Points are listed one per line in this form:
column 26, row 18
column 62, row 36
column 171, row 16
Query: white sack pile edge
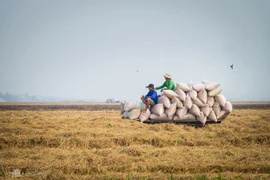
column 195, row 101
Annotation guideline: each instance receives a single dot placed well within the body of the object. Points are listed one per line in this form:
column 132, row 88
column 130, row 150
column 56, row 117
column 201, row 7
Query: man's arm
column 170, row 86
column 162, row 86
column 147, row 95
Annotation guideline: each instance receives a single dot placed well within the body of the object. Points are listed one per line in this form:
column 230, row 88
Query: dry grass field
column 74, row 144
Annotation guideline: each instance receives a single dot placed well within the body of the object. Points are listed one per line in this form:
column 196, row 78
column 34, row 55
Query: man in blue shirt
column 151, row 97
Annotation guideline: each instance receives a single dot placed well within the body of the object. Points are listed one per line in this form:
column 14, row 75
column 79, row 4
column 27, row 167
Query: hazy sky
column 91, row 49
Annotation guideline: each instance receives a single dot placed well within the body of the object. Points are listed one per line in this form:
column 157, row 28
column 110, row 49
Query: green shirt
column 168, row 84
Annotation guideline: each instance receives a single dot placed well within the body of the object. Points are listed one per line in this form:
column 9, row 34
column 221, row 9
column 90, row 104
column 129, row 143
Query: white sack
column 165, row 101
column 145, row 115
column 171, row 110
column 221, row 100
column 132, row 105
column 214, row 92
column 206, row 110
column 181, row 112
column 170, row 94
column 158, row 109
column 134, row 114
column 202, row 118
column 122, row 105
column 224, row 116
column 198, row 86
column 193, row 94
column 182, row 95
column 195, row 110
column 212, row 116
column 184, row 87
column 216, row 108
column 202, row 95
column 179, row 104
column 204, row 82
column 221, row 114
column 156, row 117
column 210, row 101
column 188, row 116
column 198, row 103
column 211, row 86
column 188, row 102
column 228, row 107
column 124, row 115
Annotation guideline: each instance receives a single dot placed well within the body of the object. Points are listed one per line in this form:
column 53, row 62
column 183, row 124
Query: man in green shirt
column 168, row 84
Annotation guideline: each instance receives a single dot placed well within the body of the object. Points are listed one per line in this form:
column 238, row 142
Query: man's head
column 150, row 87
column 167, row 77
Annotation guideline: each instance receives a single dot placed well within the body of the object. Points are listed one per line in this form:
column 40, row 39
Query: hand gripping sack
column 198, row 86
column 198, row 103
column 170, row 94
column 228, row 107
column 145, row 115
column 165, row 101
column 171, row 110
column 179, row 104
column 188, row 102
column 216, row 108
column 181, row 112
column 184, row 87
column 134, row 114
column 221, row 100
column 194, row 110
column 212, row 116
column 202, row 95
column 182, row 95
column 158, row 109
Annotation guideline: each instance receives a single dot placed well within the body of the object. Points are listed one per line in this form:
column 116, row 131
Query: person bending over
column 151, row 98
column 168, row 84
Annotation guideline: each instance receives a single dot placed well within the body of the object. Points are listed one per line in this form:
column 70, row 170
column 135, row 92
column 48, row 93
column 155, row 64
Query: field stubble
column 72, row 144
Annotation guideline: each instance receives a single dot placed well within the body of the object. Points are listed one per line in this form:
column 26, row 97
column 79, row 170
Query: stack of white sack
column 132, row 109
column 195, row 101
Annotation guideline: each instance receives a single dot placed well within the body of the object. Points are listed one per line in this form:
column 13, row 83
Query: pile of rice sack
column 194, row 101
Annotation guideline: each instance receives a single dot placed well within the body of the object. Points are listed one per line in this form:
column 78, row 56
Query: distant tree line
column 7, row 97
column 111, row 100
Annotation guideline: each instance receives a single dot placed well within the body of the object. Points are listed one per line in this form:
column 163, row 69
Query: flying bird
column 137, row 70
column 232, row 66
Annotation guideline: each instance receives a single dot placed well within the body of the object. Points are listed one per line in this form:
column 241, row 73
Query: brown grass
column 99, row 145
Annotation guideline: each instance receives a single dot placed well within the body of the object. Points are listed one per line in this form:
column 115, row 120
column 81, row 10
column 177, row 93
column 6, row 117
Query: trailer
column 183, row 122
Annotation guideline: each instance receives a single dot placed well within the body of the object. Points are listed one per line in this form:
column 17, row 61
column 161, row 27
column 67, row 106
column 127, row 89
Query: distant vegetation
column 8, row 97
column 111, row 100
